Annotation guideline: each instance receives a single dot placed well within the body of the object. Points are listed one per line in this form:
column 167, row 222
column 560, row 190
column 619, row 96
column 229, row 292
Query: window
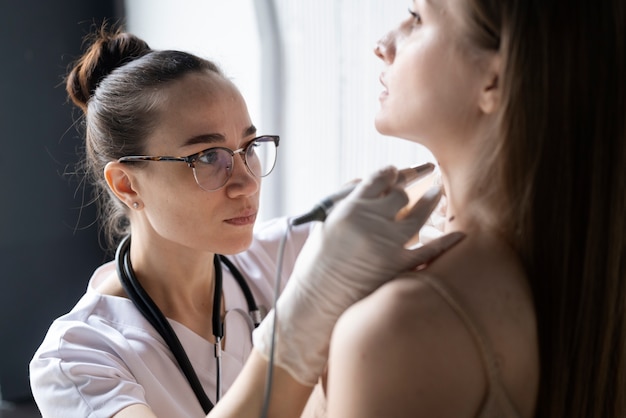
column 307, row 72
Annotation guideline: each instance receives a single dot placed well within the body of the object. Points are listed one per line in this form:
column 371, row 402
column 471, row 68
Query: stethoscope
column 153, row 314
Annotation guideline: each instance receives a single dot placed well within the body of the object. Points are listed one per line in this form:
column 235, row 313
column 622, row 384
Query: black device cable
column 270, row 367
column 318, row 213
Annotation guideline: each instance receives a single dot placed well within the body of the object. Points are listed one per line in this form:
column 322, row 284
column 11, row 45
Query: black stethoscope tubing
column 153, row 314
column 253, row 309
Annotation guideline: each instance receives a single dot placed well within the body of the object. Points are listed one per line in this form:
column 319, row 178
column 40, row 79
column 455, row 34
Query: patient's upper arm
column 403, row 352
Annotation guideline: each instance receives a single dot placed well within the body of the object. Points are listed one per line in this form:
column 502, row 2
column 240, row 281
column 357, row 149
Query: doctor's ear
column 120, row 179
column 491, row 91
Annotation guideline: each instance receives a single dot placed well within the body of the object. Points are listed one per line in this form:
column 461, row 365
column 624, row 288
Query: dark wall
column 49, row 242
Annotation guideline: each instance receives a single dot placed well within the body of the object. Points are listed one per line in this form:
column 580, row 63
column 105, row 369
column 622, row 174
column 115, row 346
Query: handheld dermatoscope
column 406, row 177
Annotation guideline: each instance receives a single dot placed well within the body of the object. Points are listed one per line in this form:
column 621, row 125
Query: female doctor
column 177, row 163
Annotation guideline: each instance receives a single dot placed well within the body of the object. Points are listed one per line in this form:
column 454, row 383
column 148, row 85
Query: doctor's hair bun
column 108, row 49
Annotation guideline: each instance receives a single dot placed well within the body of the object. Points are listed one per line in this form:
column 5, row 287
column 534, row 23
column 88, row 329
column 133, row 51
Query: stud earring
column 135, row 205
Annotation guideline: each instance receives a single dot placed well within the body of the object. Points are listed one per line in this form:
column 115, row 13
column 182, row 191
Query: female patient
column 524, row 106
column 523, row 103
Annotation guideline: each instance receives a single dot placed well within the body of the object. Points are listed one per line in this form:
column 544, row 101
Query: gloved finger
column 412, row 221
column 419, row 257
column 376, row 183
column 387, row 205
column 423, row 208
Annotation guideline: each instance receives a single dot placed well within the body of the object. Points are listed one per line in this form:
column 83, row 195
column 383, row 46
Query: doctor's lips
column 245, row 218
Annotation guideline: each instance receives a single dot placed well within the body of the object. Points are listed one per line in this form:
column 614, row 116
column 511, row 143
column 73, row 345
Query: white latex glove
column 434, row 226
column 358, row 248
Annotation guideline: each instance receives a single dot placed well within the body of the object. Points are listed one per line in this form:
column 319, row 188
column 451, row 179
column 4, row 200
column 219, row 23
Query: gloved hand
column 358, row 248
column 433, row 228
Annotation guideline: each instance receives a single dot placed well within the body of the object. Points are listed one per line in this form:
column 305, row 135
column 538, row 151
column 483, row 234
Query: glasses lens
column 261, row 156
column 213, row 168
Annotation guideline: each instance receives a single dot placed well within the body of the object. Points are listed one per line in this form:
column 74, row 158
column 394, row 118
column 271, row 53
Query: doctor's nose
column 242, row 181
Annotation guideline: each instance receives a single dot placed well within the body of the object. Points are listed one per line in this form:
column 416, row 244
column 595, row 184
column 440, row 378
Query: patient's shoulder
column 401, row 349
column 418, row 330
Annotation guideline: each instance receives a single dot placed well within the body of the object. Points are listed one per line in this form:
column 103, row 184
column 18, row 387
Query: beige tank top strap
column 495, row 389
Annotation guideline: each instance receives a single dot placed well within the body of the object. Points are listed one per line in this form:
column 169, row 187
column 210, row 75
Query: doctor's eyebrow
column 213, row 138
column 205, row 139
column 250, row 130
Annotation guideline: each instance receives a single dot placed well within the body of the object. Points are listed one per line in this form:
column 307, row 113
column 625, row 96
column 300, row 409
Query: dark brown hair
column 560, row 178
column 118, row 84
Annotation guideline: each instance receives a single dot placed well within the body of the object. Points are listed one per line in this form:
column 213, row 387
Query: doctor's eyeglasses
column 213, row 167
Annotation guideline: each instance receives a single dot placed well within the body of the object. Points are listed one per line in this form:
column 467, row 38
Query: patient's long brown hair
column 561, row 166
